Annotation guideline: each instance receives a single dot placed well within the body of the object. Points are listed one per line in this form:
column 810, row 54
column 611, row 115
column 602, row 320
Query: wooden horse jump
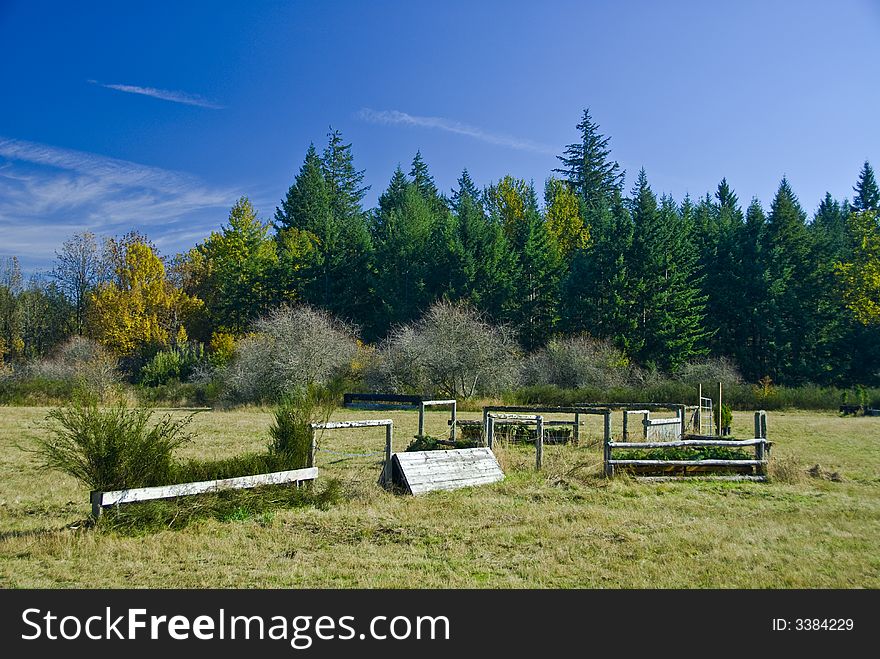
column 352, row 399
column 427, row 471
column 371, row 423
column 101, row 500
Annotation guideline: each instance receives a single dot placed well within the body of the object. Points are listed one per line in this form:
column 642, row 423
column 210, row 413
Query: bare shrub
column 291, row 348
column 576, row 362
column 452, row 351
column 81, row 361
column 709, row 371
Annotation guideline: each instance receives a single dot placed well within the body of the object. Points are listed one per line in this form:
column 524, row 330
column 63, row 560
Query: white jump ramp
column 417, row 472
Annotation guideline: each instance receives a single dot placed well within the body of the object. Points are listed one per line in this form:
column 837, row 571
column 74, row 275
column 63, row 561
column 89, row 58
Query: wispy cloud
column 162, row 94
column 396, row 117
column 47, row 193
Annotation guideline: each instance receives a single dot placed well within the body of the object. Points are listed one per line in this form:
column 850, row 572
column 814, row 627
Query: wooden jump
column 407, row 400
column 385, row 478
column 101, row 500
column 426, row 471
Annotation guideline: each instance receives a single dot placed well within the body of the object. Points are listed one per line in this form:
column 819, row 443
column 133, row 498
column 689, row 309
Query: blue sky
column 159, row 115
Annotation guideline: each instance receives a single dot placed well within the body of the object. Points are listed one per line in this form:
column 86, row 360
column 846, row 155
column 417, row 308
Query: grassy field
column 564, row 527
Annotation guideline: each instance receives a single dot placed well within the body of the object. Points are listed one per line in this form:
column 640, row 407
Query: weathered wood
column 116, row 497
column 386, row 469
column 524, row 417
column 606, row 443
column 539, row 444
column 688, row 463
column 349, row 398
column 691, row 442
column 426, row 471
column 368, row 423
column 707, row 477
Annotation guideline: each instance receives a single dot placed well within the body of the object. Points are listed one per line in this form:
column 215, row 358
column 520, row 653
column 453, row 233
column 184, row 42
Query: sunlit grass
column 564, row 527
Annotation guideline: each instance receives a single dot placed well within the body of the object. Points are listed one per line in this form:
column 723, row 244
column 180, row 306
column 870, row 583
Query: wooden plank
column 115, row 497
column 425, row 471
column 513, row 417
column 708, row 478
column 332, row 425
column 689, row 463
column 689, row 442
column 375, row 398
column 437, row 403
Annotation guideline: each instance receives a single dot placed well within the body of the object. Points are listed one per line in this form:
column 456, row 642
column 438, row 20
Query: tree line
column 666, row 281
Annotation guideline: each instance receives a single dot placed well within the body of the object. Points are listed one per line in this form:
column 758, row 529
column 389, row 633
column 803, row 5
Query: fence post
column 577, row 428
column 490, row 433
column 454, row 418
column 389, row 432
column 313, row 449
column 609, row 468
column 422, row 419
column 486, row 428
column 539, row 444
column 96, row 503
column 646, row 421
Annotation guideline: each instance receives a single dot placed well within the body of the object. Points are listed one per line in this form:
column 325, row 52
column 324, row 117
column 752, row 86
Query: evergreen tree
column 598, row 290
column 237, row 271
column 790, row 280
column 669, row 303
column 485, row 265
column 830, row 228
column 587, row 166
column 402, row 231
column 750, row 353
column 867, row 193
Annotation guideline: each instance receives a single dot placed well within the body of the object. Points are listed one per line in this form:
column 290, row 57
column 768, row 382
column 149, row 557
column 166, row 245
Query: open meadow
column 563, row 527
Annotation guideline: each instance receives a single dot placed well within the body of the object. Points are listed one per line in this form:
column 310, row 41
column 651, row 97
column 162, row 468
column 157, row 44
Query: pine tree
column 343, row 286
column 669, row 303
column 485, row 265
column 587, row 166
column 867, row 193
column 238, row 276
column 598, row 290
column 750, row 353
column 402, row 231
column 538, row 270
column 790, row 280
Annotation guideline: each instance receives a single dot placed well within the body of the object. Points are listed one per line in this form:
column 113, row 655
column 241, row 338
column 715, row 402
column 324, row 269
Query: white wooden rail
column 760, row 443
column 101, row 500
column 367, row 423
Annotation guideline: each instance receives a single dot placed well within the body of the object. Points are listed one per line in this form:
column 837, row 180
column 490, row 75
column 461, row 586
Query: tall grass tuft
column 111, row 448
column 291, row 433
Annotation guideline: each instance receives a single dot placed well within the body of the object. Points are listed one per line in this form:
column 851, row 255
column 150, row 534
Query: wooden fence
column 755, row 469
column 370, row 423
column 417, row 402
column 101, row 500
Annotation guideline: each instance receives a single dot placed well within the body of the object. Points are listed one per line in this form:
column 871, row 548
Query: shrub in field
column 291, row 348
column 79, row 361
column 709, row 372
column 177, row 363
column 576, row 362
column 291, row 433
column 451, row 351
column 112, row 448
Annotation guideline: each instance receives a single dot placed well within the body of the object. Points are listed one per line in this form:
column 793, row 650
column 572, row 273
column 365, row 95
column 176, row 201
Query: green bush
column 113, row 448
column 176, row 363
column 291, row 432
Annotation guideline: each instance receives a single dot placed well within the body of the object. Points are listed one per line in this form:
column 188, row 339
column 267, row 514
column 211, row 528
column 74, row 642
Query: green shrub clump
column 112, row 448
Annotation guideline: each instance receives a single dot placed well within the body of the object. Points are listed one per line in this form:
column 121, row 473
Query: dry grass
column 565, row 527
